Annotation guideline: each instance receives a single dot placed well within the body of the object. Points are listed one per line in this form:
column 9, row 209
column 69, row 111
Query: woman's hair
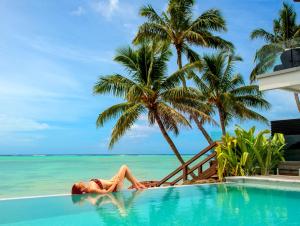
column 77, row 189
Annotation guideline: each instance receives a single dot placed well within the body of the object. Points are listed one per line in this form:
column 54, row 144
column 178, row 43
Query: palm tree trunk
column 179, row 62
column 170, row 142
column 201, row 128
column 222, row 122
column 179, row 57
column 168, row 139
column 296, row 95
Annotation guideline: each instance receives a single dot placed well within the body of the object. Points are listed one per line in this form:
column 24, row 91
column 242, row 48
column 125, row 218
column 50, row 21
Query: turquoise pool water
column 190, row 205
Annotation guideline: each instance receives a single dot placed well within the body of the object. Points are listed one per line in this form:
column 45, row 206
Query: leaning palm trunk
column 203, row 131
column 170, row 142
column 179, row 57
column 168, row 139
column 296, row 95
column 179, row 63
column 222, row 122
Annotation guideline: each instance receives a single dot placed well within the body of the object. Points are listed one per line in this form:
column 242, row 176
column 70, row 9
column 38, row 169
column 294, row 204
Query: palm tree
column 285, row 35
column 226, row 91
column 147, row 90
column 176, row 26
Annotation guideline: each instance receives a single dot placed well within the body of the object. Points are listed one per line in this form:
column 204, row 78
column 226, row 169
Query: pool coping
column 267, row 182
column 68, row 194
column 262, row 178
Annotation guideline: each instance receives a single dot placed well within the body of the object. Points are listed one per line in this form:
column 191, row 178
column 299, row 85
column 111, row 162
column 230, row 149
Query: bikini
column 99, row 183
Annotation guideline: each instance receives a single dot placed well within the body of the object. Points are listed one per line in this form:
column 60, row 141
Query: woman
column 101, row 186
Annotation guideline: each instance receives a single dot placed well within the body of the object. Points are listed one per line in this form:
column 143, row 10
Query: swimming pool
column 217, row 204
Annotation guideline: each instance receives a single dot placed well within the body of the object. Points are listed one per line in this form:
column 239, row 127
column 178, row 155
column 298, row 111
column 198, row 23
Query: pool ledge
column 278, row 181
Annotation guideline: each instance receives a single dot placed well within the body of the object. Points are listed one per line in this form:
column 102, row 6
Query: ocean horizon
column 92, row 154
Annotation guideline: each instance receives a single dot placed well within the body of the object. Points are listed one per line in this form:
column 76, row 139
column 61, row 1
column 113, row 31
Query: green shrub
column 247, row 152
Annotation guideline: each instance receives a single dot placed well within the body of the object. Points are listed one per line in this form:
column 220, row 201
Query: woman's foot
column 139, row 186
column 142, row 186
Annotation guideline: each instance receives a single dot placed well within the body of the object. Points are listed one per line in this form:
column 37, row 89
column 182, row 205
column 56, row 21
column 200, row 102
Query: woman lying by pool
column 101, row 186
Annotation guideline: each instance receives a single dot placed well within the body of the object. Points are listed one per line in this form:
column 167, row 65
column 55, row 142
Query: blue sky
column 52, row 52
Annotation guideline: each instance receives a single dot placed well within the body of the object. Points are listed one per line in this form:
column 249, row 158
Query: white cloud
column 116, row 9
column 106, row 7
column 139, row 130
column 14, row 124
column 66, row 51
column 79, row 11
column 20, row 131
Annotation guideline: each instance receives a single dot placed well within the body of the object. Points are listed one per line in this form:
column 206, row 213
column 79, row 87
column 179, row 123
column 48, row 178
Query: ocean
column 48, row 175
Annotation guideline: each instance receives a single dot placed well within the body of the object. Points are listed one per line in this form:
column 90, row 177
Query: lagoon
column 47, row 175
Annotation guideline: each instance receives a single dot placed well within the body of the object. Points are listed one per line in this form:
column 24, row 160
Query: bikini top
column 98, row 182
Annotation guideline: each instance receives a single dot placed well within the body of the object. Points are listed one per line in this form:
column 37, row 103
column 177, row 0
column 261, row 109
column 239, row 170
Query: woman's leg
column 132, row 179
column 124, row 172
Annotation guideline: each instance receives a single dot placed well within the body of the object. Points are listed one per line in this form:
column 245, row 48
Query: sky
column 53, row 52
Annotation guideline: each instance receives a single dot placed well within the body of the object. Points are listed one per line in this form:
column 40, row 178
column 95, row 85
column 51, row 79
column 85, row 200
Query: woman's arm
column 96, row 190
column 114, row 185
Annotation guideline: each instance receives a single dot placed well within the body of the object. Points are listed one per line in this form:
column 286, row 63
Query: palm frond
column 171, row 118
column 245, row 89
column 262, row 66
column 190, row 54
column 268, row 50
column 125, row 122
column 237, row 81
column 149, row 12
column 112, row 113
column 174, row 79
column 211, row 20
column 262, row 33
column 151, row 31
column 243, row 113
column 116, row 84
column 256, row 101
column 212, row 41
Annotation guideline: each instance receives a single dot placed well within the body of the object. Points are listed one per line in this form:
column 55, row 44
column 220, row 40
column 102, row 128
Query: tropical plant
column 245, row 153
column 147, row 90
column 268, row 152
column 226, row 91
column 176, row 26
column 285, row 35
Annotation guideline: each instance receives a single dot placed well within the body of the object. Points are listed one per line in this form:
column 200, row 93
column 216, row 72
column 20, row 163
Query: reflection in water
column 112, row 208
column 265, row 206
column 195, row 205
